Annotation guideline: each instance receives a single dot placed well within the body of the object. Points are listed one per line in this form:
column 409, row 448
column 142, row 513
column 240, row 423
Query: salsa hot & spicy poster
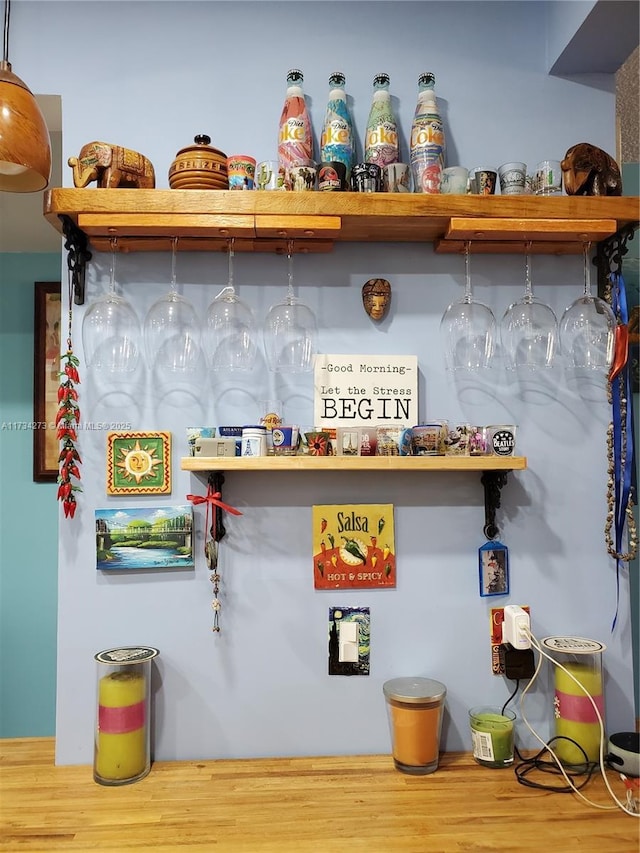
column 353, row 546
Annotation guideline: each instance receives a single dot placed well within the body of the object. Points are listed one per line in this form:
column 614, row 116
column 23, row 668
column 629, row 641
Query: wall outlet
column 497, row 621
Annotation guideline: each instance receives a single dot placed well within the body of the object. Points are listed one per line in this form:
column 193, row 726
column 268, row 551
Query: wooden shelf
column 204, row 220
column 352, row 463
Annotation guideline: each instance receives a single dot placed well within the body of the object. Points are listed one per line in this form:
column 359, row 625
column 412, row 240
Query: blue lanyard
column 623, row 457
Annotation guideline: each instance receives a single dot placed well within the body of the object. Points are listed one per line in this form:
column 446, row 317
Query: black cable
column 511, row 697
column 535, row 762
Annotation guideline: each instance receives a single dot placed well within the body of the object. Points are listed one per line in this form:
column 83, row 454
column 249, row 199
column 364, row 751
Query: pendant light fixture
column 25, row 147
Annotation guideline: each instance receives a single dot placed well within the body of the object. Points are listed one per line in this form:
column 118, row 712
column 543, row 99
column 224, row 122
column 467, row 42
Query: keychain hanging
column 214, row 532
column 493, row 556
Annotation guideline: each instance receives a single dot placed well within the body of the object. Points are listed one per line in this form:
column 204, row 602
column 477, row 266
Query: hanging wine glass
column 111, row 330
column 529, row 329
column 468, row 329
column 290, row 331
column 230, row 334
column 172, row 330
column 587, row 328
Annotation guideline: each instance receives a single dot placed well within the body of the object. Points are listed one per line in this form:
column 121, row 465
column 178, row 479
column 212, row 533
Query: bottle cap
column 295, row 76
column 337, row 79
column 427, row 79
column 381, row 81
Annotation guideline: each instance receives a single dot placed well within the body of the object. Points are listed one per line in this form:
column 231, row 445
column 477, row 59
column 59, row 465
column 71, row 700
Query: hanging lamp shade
column 25, row 146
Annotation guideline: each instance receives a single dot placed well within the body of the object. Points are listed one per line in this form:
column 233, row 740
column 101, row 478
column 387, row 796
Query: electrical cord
column 535, row 762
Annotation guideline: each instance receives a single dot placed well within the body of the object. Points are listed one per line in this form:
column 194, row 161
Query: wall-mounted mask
column 376, row 297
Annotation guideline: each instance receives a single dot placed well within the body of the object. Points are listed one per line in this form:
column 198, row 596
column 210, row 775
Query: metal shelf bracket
column 78, row 256
column 493, row 481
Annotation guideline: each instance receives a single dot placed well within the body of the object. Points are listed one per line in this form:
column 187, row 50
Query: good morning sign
column 361, row 390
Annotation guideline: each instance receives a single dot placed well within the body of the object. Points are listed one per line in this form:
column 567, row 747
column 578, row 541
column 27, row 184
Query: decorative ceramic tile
column 138, row 463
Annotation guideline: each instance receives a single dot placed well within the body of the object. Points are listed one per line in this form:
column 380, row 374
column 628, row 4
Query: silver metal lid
column 414, row 690
column 573, row 645
column 127, row 654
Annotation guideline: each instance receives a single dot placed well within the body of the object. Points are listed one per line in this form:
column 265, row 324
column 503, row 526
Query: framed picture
column 150, row 537
column 494, row 568
column 46, row 368
column 138, row 463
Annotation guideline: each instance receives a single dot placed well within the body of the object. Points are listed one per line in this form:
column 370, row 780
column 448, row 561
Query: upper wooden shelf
column 353, row 463
column 204, row 220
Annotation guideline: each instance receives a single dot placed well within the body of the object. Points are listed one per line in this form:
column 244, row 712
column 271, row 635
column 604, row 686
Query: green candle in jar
column 492, row 733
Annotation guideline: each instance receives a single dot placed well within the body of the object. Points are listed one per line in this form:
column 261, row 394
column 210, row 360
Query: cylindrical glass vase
column 415, row 708
column 122, row 742
column 578, row 688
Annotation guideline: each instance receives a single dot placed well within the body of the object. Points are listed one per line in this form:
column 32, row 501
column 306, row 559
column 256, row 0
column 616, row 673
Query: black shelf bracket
column 78, row 256
column 215, row 481
column 609, row 255
column 493, row 481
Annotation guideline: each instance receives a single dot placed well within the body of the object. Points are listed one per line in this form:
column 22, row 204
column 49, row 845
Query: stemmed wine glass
column 290, row 331
column 587, row 328
column 468, row 329
column 529, row 329
column 230, row 331
column 172, row 330
column 111, row 330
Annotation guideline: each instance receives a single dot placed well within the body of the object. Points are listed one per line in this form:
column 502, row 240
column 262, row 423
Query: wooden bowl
column 199, row 167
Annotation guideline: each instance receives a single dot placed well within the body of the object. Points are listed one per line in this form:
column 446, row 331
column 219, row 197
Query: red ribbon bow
column 212, row 499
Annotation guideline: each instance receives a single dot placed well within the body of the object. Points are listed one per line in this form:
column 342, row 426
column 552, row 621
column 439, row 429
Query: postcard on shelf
column 365, row 390
column 353, row 546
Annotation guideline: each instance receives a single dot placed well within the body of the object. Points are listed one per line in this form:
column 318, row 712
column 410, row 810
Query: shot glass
column 501, row 439
column 548, row 178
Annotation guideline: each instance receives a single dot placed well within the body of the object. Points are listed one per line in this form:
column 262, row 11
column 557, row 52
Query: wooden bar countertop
column 299, row 805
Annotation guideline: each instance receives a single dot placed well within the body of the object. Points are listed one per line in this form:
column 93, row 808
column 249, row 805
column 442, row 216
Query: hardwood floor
column 298, row 805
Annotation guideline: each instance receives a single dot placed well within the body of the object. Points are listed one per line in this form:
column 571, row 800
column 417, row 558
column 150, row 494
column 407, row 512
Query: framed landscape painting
column 129, row 538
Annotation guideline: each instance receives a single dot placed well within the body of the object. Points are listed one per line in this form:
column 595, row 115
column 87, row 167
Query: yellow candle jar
column 122, row 733
column 578, row 687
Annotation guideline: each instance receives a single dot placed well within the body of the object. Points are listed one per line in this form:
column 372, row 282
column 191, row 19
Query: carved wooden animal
column 111, row 166
column 587, row 170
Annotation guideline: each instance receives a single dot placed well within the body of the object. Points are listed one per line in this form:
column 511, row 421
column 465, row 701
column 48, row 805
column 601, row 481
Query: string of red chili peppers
column 67, row 421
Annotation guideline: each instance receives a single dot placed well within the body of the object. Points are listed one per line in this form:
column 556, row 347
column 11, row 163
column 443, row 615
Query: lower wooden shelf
column 353, row 463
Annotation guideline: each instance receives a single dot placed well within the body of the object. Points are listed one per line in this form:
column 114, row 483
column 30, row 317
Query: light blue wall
column 174, row 70
column 28, row 517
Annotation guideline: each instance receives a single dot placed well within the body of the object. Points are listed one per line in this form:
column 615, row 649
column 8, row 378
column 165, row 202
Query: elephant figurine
column 587, row 170
column 112, row 166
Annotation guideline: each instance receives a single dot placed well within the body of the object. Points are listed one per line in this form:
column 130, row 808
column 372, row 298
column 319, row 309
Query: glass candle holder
column 492, row 735
column 578, row 687
column 122, row 739
column 415, row 709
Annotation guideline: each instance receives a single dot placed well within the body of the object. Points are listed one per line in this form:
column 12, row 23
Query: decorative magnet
column 376, row 297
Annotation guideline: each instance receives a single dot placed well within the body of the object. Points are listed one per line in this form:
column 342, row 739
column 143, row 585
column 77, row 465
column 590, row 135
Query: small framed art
column 150, row 537
column 493, row 559
column 46, row 379
column 138, row 463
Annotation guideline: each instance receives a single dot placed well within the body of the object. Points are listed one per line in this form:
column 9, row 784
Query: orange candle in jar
column 415, row 733
column 415, row 708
